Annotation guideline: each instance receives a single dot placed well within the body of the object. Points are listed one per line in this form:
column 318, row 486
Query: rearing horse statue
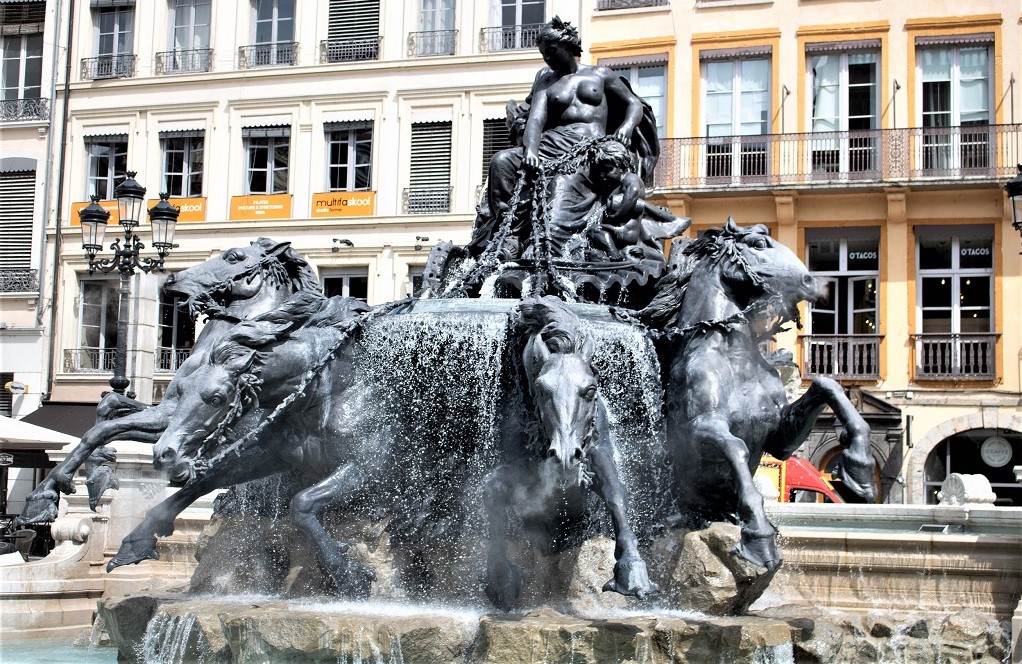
column 730, row 290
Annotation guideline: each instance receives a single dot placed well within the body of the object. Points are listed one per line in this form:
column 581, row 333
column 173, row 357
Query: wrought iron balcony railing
column 350, row 50
column 846, row 157
column 509, row 37
column 604, row 5
column 19, row 281
column 169, row 359
column 17, row 110
column 427, row 200
column 89, row 360
column 436, row 42
column 108, row 66
column 275, row 54
column 184, row 62
column 955, row 356
column 842, row 356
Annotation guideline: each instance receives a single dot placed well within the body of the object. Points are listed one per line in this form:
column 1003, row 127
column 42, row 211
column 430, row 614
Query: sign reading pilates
column 344, row 204
column 261, row 206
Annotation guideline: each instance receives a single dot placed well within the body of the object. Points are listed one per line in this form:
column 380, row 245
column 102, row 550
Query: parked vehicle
column 797, row 480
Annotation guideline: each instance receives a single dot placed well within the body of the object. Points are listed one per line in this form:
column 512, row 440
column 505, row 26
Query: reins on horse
column 205, row 303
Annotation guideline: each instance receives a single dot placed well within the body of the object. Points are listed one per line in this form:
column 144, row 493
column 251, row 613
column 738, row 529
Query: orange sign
column 109, row 206
column 261, row 206
column 344, row 204
column 192, row 209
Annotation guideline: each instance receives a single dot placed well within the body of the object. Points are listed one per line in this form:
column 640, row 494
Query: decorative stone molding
column 959, row 489
column 71, row 529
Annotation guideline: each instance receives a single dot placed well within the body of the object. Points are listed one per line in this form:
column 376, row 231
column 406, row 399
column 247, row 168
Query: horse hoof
column 503, row 585
column 132, row 554
column 760, row 549
column 632, row 579
column 354, row 580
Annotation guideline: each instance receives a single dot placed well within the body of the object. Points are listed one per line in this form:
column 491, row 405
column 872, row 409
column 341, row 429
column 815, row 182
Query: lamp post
column 1014, row 189
column 127, row 255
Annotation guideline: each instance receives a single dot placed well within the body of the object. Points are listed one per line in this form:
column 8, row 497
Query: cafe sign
column 109, row 206
column 344, row 204
column 261, row 206
column 995, row 451
column 6, row 459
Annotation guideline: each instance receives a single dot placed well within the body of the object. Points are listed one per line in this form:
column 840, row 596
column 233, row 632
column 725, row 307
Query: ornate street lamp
column 1014, row 189
column 127, row 256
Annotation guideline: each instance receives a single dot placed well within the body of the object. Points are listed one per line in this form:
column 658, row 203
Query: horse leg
column 352, row 578
column 630, row 574
column 140, row 543
column 144, row 426
column 503, row 577
column 856, row 464
column 758, row 543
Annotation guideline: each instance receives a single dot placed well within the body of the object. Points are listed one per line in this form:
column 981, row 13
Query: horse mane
column 297, row 272
column 276, row 325
column 557, row 326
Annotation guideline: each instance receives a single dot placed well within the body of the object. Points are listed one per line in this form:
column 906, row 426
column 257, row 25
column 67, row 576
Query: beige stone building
column 872, row 136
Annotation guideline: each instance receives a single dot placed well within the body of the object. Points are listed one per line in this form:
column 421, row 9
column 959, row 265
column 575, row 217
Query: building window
column 108, row 161
column 354, row 284
column 274, row 35
column 350, row 156
column 97, row 332
column 429, row 189
column 649, row 81
column 516, row 25
column 268, row 151
column 115, row 30
column 182, row 163
column 22, row 66
column 176, row 334
column 736, row 99
column 415, row 281
column 955, row 108
column 190, row 20
column 843, row 339
column 17, row 191
column 496, row 137
column 353, row 31
column 955, row 293
column 436, row 35
column 845, row 107
column 6, row 398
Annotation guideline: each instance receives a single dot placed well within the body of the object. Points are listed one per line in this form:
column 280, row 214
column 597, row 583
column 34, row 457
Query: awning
column 733, row 53
column 22, row 435
column 957, row 40
column 105, row 130
column 425, row 115
column 267, row 121
column 627, row 60
column 851, row 45
column 361, row 115
column 193, row 127
column 71, row 418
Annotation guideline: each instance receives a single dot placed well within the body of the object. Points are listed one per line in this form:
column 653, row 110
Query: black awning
column 68, row 417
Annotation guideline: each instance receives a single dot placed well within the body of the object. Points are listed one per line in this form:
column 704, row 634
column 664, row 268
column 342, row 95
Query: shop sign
column 192, row 209
column 261, row 206
column 6, row 459
column 109, row 206
column 344, row 204
column 15, row 387
column 995, row 451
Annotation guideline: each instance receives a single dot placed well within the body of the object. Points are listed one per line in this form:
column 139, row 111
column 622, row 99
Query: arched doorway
column 989, row 452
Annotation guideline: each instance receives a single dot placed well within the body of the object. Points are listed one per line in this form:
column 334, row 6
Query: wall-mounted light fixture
column 338, row 241
column 419, row 239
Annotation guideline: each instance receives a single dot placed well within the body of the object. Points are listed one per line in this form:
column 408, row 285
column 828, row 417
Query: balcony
column 108, row 66
column 427, row 200
column 436, row 42
column 184, row 62
column 19, row 281
column 878, row 156
column 350, row 50
column 955, row 356
column 509, row 37
column 89, row 360
column 842, row 356
column 21, row 110
column 607, row 5
column 275, row 54
column 169, row 359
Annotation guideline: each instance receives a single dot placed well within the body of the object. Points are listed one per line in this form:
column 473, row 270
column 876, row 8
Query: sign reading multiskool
column 192, row 209
column 344, row 204
column 261, row 206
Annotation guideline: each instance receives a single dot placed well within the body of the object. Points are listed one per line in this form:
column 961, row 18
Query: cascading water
column 172, row 639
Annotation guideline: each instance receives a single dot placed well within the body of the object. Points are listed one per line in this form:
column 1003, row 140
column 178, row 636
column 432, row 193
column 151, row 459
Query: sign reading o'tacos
column 344, row 204
column 261, row 206
column 192, row 209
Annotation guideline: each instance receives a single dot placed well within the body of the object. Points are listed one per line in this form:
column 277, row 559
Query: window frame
column 113, row 174
column 271, row 168
column 119, row 14
column 351, row 142
column 345, row 275
column 194, row 145
column 190, row 26
column 955, row 273
column 736, row 156
column 275, row 22
column 844, row 308
column 22, row 59
column 108, row 314
column 178, row 327
column 633, row 80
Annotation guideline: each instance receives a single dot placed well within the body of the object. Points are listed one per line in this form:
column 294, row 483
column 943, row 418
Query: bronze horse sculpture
column 240, row 283
column 725, row 405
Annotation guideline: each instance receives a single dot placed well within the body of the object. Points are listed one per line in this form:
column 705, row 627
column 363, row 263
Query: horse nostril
column 166, row 455
column 578, row 454
column 551, row 453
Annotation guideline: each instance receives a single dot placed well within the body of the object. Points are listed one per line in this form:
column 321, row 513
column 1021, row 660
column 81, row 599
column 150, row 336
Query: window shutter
column 496, row 137
column 353, row 19
column 17, row 191
column 265, row 132
column 430, row 181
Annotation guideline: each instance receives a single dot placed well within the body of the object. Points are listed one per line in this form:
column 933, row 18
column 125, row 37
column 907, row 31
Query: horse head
column 760, row 275
column 210, row 399
column 561, row 381
column 241, row 275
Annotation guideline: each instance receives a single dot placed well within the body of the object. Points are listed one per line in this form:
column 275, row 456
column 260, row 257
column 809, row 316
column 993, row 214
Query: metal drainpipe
column 48, row 374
